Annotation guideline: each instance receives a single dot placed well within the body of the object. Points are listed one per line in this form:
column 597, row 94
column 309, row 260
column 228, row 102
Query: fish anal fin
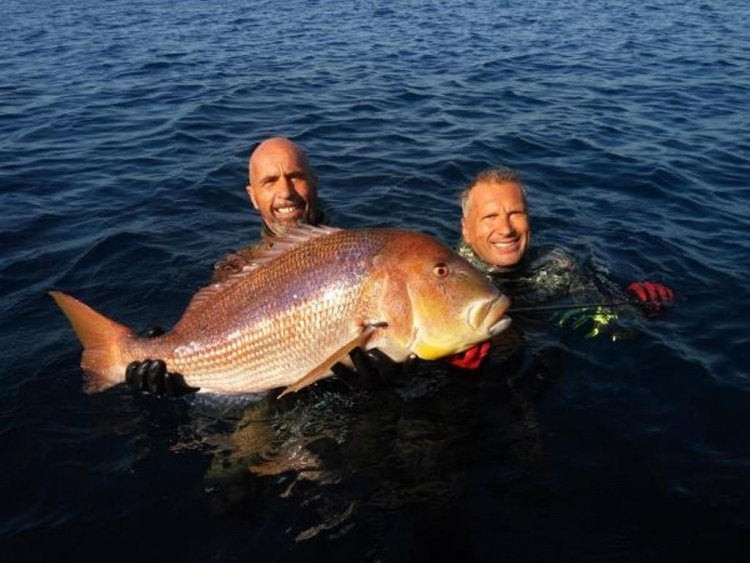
column 324, row 368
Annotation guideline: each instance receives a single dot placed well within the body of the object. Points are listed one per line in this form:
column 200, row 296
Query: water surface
column 124, row 133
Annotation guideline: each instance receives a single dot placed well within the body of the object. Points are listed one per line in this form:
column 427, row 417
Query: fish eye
column 440, row 269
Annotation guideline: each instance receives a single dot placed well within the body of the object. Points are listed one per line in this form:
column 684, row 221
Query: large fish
column 302, row 307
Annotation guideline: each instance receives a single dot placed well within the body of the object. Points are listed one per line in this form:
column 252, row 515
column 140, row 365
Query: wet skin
column 496, row 224
column 283, row 187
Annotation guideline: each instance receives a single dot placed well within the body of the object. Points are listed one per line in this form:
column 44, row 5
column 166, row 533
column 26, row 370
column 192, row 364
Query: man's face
column 282, row 187
column 496, row 225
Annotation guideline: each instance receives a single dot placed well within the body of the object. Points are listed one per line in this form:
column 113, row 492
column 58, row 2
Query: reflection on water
column 334, row 454
column 125, row 131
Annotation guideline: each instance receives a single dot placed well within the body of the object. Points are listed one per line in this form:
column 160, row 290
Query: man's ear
column 251, row 195
column 463, row 228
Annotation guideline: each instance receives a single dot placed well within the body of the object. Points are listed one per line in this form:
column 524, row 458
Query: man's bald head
column 283, row 186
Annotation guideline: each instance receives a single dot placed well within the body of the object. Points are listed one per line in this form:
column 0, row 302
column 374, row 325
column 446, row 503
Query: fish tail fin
column 101, row 339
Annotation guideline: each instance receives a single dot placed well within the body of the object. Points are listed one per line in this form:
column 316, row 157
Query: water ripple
column 124, row 132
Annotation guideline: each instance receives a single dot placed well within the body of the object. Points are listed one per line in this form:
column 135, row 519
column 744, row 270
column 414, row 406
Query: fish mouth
column 500, row 325
column 489, row 317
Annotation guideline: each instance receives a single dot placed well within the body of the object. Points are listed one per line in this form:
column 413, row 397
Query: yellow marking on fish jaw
column 430, row 352
column 441, row 325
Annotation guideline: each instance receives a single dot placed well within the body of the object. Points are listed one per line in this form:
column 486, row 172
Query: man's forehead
column 271, row 160
column 496, row 193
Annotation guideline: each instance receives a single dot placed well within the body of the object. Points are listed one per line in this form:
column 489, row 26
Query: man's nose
column 503, row 225
column 286, row 186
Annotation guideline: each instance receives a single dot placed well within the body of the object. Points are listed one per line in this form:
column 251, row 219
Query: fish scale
column 317, row 294
column 270, row 338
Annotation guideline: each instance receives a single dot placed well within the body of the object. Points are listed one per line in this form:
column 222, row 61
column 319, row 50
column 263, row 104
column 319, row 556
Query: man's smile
column 288, row 211
column 505, row 245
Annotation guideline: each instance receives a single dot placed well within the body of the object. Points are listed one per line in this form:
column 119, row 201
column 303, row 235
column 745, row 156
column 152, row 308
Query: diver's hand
column 652, row 297
column 152, row 377
column 370, row 367
column 471, row 358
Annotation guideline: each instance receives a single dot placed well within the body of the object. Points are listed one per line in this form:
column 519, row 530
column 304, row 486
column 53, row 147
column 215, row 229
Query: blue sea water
column 124, row 132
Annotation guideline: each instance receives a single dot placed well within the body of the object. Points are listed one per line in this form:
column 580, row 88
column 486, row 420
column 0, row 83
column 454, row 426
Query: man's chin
column 280, row 226
column 506, row 259
column 292, row 217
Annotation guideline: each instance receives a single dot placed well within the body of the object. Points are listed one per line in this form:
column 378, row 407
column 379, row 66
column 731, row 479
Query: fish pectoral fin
column 323, row 369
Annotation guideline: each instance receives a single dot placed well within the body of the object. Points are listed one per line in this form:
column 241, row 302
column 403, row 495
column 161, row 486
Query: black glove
column 152, row 376
column 371, row 367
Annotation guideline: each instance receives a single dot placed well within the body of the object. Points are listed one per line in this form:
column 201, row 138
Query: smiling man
column 495, row 224
column 282, row 185
column 496, row 239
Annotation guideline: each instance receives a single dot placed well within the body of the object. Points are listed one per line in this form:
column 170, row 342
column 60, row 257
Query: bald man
column 283, row 187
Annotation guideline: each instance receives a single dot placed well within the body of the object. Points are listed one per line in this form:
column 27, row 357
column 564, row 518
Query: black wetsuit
column 550, row 275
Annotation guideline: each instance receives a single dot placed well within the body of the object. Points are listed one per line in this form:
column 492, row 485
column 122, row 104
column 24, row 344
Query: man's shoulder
column 551, row 256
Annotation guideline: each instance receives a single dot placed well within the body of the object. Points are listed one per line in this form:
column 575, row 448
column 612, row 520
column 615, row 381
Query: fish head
column 435, row 303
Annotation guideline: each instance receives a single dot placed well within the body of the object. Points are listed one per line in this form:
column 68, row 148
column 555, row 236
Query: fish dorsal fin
column 275, row 247
column 286, row 242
